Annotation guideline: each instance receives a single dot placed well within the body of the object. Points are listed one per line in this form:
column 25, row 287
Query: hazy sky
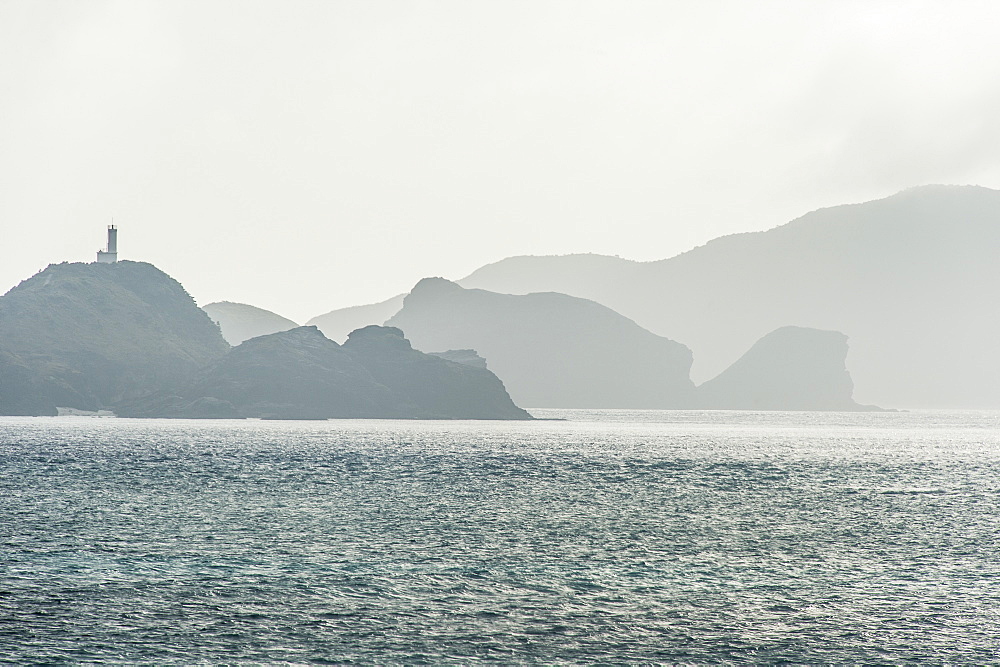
column 302, row 156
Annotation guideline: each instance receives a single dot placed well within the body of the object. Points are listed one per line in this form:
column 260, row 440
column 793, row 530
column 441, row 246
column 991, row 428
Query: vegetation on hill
column 87, row 336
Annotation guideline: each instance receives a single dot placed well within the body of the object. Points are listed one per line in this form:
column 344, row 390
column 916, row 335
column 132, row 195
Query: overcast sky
column 303, row 156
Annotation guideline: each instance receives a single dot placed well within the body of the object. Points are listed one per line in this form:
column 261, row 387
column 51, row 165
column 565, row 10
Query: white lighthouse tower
column 109, row 256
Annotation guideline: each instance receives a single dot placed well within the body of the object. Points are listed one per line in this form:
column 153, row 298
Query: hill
column 552, row 350
column 301, row 374
column 791, row 368
column 910, row 278
column 86, row 336
column 239, row 321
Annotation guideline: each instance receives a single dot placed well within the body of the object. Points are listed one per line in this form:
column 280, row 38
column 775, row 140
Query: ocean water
column 610, row 537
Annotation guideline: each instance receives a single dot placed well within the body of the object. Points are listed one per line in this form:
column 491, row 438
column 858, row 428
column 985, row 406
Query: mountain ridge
column 906, row 276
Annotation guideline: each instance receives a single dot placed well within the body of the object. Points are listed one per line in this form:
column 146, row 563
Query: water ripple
column 611, row 537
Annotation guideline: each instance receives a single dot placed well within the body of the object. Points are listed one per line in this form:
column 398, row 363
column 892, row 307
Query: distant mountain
column 240, row 321
column 912, row 279
column 337, row 324
column 791, row 368
column 87, row 336
column 596, row 277
column 300, row 374
column 551, row 350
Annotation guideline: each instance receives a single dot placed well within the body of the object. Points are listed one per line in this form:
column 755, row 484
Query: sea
column 609, row 537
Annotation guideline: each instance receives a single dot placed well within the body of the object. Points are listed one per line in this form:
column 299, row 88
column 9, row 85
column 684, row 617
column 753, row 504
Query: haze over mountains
column 551, row 350
column 911, row 279
column 906, row 284
column 554, row 350
column 127, row 337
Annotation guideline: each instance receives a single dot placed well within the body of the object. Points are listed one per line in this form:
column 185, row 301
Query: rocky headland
column 301, row 374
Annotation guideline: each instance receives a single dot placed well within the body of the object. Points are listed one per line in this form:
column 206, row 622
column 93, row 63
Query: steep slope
column 240, row 322
column 89, row 335
column 911, row 278
column 337, row 324
column 301, row 374
column 791, row 368
column 551, row 350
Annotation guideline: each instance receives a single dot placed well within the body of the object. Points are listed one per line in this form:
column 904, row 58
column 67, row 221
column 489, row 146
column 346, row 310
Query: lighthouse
column 109, row 256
